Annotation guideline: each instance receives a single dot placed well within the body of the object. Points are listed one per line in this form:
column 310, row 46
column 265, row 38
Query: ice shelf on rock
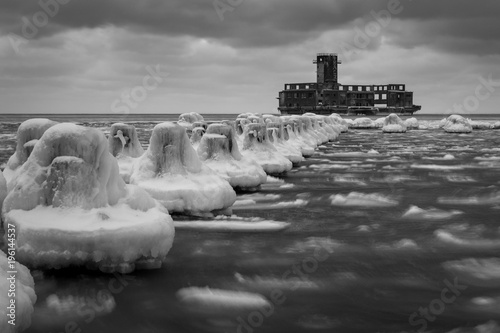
column 219, row 150
column 171, row 171
column 24, row 299
column 276, row 136
column 71, row 207
column 256, row 146
column 125, row 146
column 456, row 124
column 28, row 134
column 393, row 124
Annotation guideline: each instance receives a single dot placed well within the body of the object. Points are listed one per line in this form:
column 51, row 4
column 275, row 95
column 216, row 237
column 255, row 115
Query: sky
column 234, row 56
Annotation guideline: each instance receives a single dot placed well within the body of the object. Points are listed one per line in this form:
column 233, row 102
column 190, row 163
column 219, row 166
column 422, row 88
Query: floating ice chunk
column 256, row 146
column 362, row 200
column 25, row 296
column 172, row 173
column 471, row 242
column 433, row 214
column 125, row 146
column 456, row 124
column 393, row 124
column 276, row 136
column 268, row 206
column 219, row 151
column 70, row 306
column 217, row 301
column 436, row 167
column 491, row 199
column 270, row 283
column 484, row 272
column 233, row 226
column 28, row 134
column 70, row 207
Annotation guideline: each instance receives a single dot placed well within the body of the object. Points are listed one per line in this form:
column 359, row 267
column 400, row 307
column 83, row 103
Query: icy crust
column 172, row 173
column 69, row 193
column 28, row 134
column 256, row 146
column 456, row 124
column 219, row 151
column 25, row 297
column 125, row 146
column 112, row 238
column 393, row 124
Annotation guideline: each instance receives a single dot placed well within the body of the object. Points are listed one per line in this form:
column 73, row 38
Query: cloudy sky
column 232, row 56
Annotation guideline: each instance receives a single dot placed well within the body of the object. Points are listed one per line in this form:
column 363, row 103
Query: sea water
column 359, row 256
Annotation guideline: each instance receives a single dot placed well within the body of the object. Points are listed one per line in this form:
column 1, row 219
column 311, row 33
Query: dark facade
column 328, row 95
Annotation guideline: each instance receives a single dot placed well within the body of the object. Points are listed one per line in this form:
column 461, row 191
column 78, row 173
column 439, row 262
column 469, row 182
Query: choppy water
column 338, row 268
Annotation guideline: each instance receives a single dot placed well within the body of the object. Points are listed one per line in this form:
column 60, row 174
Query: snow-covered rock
column 28, row 134
column 71, row 207
column 363, row 123
column 393, row 124
column 412, row 123
column 171, row 171
column 457, row 124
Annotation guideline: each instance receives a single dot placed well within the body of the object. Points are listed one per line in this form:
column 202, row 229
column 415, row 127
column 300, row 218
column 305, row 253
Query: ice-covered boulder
column 172, row 173
column 125, row 146
column 457, row 124
column 257, row 147
column 495, row 125
column 276, row 136
column 219, row 151
column 28, row 134
column 187, row 120
column 71, row 207
column 393, row 124
column 412, row 123
column 196, row 135
column 363, row 123
column 307, row 123
column 24, row 298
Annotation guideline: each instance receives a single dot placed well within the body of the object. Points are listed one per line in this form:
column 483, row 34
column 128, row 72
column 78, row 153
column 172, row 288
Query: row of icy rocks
column 77, row 198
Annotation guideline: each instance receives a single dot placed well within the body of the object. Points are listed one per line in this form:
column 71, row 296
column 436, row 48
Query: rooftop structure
column 327, row 95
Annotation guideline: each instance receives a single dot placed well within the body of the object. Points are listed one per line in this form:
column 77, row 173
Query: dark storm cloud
column 256, row 23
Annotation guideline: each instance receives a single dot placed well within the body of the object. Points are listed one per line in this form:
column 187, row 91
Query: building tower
column 327, row 69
